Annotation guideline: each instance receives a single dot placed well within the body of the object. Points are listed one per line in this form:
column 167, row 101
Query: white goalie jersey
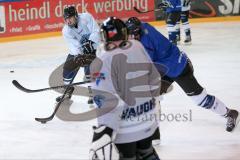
column 128, row 74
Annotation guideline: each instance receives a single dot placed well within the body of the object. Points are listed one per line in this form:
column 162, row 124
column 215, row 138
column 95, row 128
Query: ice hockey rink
column 215, row 54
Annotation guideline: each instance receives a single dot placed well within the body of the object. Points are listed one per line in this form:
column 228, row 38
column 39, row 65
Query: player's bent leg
column 70, row 69
column 187, row 81
column 200, row 97
column 213, row 103
column 165, row 84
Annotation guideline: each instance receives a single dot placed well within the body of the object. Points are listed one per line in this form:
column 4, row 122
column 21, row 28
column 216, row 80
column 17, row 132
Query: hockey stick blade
column 147, row 11
column 45, row 120
column 20, row 87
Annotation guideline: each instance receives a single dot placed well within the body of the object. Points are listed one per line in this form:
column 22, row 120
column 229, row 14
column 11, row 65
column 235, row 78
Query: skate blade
column 238, row 120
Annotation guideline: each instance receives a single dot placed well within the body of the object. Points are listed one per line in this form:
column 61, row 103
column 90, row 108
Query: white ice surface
column 215, row 54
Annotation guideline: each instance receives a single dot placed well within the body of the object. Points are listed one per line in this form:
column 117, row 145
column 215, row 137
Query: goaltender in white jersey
column 124, row 69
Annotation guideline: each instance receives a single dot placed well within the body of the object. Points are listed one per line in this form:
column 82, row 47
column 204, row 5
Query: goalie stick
column 20, row 87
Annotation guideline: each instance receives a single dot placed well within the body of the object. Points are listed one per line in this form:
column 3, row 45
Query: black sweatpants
column 186, row 80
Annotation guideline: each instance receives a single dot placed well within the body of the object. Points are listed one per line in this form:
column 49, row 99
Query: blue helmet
column 134, row 26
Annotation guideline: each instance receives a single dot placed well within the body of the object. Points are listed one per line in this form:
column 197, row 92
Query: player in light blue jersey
column 180, row 70
column 81, row 32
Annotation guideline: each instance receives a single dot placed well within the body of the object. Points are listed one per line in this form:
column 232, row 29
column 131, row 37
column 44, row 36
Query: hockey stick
column 160, row 7
column 147, row 11
column 20, row 87
column 45, row 120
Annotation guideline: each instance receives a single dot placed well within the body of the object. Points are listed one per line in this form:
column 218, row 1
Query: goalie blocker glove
column 103, row 147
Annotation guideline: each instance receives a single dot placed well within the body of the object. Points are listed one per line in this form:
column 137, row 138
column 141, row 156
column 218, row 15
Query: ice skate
column 188, row 40
column 233, row 119
column 68, row 94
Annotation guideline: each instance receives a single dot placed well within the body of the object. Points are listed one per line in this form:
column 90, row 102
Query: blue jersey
column 162, row 51
column 176, row 6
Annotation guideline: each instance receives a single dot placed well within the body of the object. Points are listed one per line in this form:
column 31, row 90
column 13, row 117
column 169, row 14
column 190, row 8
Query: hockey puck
column 12, row 71
column 43, row 122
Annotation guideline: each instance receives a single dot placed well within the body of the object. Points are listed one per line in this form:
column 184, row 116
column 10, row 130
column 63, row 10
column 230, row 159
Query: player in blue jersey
column 180, row 69
column 173, row 12
column 186, row 5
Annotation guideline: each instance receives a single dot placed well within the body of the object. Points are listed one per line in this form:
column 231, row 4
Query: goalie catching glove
column 103, row 147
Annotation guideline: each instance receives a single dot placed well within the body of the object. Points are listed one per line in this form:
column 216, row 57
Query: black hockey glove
column 88, row 48
column 164, row 5
column 83, row 60
column 102, row 144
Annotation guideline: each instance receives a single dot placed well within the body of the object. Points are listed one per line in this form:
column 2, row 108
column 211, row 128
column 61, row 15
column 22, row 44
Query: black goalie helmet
column 134, row 26
column 70, row 11
column 113, row 29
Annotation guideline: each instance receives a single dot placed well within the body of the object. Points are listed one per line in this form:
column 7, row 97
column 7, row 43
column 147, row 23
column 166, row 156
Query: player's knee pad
column 204, row 100
column 147, row 154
